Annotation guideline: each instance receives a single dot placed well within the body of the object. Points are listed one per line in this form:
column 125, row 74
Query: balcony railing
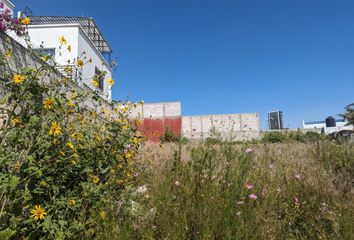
column 68, row 71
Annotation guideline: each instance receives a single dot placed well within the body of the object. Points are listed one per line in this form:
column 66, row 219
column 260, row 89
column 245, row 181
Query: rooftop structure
column 88, row 24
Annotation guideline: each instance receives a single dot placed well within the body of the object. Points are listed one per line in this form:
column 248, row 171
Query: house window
column 100, row 78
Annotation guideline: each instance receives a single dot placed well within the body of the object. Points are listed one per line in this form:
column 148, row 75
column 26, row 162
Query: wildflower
column 56, row 141
column 48, row 103
column 177, row 183
column 8, row 53
column 69, row 48
column 38, row 213
column 16, row 121
column 62, row 153
column 135, row 105
column 55, row 129
column 71, row 104
column 62, row 40
column 17, row 166
column 128, row 155
column 141, row 189
column 95, row 179
column 71, row 202
column 298, row 177
column 80, row 63
column 70, row 145
column 73, row 162
column 103, row 215
column 296, row 200
column 110, row 81
column 249, row 150
column 249, row 186
column 90, row 60
column 75, row 155
column 17, row 78
column 26, row 21
column 95, row 83
column 142, row 102
column 252, row 196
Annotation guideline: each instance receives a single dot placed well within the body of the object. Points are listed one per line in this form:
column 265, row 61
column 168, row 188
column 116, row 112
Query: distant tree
column 349, row 114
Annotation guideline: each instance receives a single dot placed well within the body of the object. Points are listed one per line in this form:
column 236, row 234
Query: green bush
column 61, row 161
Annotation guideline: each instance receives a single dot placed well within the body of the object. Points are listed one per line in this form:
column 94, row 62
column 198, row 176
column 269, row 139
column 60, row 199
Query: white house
column 83, row 36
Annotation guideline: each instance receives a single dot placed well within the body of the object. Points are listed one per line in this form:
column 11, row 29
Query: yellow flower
column 73, row 162
column 69, row 48
column 128, row 155
column 80, row 63
column 38, row 213
column 8, row 53
column 95, row 83
column 142, row 102
column 70, row 145
column 67, row 70
column 135, row 105
column 71, row 202
column 95, row 179
column 71, row 104
column 16, row 121
column 110, row 81
column 62, row 153
column 55, row 129
column 56, row 141
column 48, row 103
column 26, row 21
column 17, row 78
column 102, row 214
column 17, row 165
column 62, row 40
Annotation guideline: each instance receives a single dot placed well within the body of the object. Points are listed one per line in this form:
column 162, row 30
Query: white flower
column 141, row 189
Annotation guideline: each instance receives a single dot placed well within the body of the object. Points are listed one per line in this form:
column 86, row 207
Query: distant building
column 329, row 126
column 275, row 120
column 83, row 35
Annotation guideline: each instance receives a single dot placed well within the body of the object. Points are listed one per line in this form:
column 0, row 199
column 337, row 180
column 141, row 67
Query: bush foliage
column 64, row 152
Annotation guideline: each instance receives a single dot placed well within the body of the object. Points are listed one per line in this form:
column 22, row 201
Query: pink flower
column 252, row 196
column 249, row 150
column 298, row 177
column 249, row 186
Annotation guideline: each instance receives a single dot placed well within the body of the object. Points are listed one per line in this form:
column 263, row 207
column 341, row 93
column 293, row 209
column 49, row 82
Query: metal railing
column 68, row 71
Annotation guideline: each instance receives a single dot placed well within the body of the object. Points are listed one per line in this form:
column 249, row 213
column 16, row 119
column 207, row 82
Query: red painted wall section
column 154, row 128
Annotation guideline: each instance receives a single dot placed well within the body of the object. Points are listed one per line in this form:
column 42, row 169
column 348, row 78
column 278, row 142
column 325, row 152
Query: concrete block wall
column 235, row 127
column 157, row 117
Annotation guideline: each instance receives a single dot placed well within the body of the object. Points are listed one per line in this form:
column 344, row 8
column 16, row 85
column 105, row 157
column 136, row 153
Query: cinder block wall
column 234, row 127
column 157, row 117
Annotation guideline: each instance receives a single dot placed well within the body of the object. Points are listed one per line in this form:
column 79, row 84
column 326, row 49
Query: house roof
column 87, row 23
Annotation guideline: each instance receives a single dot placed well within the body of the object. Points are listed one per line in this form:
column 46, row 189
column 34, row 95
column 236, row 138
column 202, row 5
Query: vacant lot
column 239, row 191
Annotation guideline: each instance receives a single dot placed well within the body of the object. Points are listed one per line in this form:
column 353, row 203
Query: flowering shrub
column 64, row 152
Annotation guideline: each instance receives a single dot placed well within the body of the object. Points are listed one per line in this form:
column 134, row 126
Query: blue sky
column 227, row 56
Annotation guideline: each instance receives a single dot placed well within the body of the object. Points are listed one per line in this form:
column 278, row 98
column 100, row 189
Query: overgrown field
column 228, row 191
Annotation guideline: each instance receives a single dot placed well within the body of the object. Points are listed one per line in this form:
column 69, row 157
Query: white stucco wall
column 88, row 71
column 48, row 36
